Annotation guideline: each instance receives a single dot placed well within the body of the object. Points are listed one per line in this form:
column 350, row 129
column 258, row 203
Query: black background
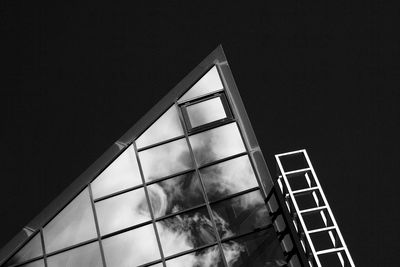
column 321, row 76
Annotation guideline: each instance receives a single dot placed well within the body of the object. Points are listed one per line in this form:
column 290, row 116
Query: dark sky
column 321, row 76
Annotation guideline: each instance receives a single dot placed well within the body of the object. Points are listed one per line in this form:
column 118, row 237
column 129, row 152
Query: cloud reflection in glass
column 217, row 143
column 175, row 194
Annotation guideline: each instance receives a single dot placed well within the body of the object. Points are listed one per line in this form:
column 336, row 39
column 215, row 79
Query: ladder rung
column 301, row 151
column 298, row 171
column 322, row 229
column 313, row 209
column 331, row 250
column 305, row 190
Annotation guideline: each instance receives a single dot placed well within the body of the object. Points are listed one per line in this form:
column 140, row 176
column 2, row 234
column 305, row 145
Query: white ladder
column 312, row 217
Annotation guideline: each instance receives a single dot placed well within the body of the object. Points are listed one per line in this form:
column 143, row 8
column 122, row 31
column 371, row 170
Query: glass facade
column 184, row 193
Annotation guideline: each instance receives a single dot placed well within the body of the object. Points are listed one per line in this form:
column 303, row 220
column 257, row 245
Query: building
column 187, row 185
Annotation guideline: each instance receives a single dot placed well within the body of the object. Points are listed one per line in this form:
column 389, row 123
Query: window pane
column 175, row 194
column 257, row 250
column 185, row 231
column 165, row 160
column 38, row 263
column 122, row 211
column 166, row 127
column 131, row 248
column 209, row 257
column 228, row 177
column 85, row 256
column 206, row 112
column 123, row 173
column 29, row 251
column 74, row 224
column 210, row 82
column 241, row 214
column 217, row 143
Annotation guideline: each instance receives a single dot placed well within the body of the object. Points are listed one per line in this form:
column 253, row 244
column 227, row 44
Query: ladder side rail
column 329, row 209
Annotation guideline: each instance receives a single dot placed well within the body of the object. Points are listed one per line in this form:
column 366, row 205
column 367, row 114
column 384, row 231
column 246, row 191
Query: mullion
column 97, row 225
column 28, row 261
column 118, row 193
column 222, row 160
column 71, row 247
column 149, row 204
column 203, row 189
column 190, row 251
column 180, row 212
column 141, row 185
column 234, row 195
column 150, row 263
column 200, row 97
column 43, row 247
column 210, row 126
column 161, row 143
column 170, row 176
column 127, row 229
column 256, row 230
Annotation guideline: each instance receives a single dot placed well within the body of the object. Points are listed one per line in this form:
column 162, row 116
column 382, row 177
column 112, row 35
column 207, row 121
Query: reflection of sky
column 166, row 127
column 121, row 174
column 228, row 177
column 217, row 143
column 175, row 194
column 240, row 214
column 186, row 231
column 206, row 112
column 74, row 224
column 210, row 82
column 259, row 249
column 38, row 263
column 122, row 211
column 31, row 250
column 165, row 159
column 131, row 248
column 85, row 256
column 206, row 257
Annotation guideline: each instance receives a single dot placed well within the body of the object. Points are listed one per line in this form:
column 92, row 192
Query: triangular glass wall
column 187, row 189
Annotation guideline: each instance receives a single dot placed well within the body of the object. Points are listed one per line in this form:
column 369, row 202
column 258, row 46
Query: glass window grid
column 144, row 184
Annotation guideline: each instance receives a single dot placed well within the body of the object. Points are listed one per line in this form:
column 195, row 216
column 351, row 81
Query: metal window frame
column 192, row 130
